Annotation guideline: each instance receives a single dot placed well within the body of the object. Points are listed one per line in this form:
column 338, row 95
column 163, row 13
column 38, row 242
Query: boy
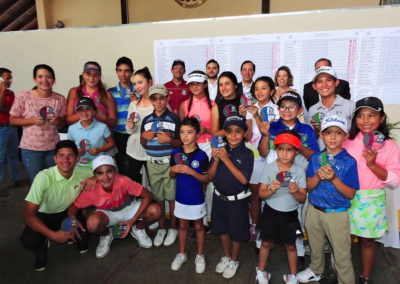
column 332, row 180
column 230, row 170
column 112, row 196
column 91, row 136
column 279, row 220
column 324, row 82
column 159, row 136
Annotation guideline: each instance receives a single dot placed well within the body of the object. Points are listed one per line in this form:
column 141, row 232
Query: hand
column 214, row 154
column 275, row 185
column 94, row 151
column 130, row 123
column 330, row 173
column 76, row 231
column 370, row 157
column 265, row 128
column 222, row 154
column 39, row 121
column 316, row 126
column 129, row 225
column 54, row 121
column 242, row 110
column 203, row 130
column 321, row 174
column 184, row 169
column 163, row 137
column 293, row 187
column 81, row 152
column 88, row 184
column 61, row 236
column 133, row 96
column 248, row 135
column 148, row 135
column 253, row 110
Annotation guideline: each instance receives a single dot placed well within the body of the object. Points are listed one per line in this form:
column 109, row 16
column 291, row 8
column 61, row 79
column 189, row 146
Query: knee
column 290, row 247
column 94, row 225
column 154, row 212
column 183, row 226
column 199, row 226
column 266, row 245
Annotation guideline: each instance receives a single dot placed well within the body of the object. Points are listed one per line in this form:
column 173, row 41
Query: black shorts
column 282, row 227
column 231, row 217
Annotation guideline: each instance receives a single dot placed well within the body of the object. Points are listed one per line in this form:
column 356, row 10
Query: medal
column 247, row 99
column 47, row 112
column 217, row 142
column 284, row 178
column 229, row 109
column 85, row 144
column 134, row 116
column 181, row 158
column 374, row 140
column 326, row 159
column 318, row 117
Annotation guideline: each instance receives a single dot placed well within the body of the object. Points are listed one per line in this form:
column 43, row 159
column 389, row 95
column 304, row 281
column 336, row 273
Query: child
column 230, row 170
column 332, row 181
column 279, row 220
column 378, row 168
column 159, row 135
column 264, row 88
column 190, row 171
column 325, row 82
column 91, row 136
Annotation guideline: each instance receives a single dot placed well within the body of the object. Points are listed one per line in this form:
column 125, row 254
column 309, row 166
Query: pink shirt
column 388, row 158
column 96, row 99
column 201, row 110
column 34, row 137
column 123, row 187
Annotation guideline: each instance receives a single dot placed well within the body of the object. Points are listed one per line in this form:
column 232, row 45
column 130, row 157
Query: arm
column 163, row 137
column 306, row 152
column 181, row 111
column 184, row 169
column 223, row 155
column 328, row 173
column 265, row 191
column 108, row 146
column 111, row 120
column 370, row 158
column 214, row 164
column 299, row 194
column 263, row 146
column 72, row 212
column 72, row 117
column 3, row 89
column 215, row 122
column 312, row 182
column 19, row 121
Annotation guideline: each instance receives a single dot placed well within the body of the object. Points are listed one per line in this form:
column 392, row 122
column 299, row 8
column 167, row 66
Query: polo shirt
column 116, row 200
column 243, row 159
column 122, row 101
column 325, row 194
column 8, row 102
column 189, row 191
column 177, row 94
column 53, row 192
column 95, row 135
column 202, row 111
column 170, row 123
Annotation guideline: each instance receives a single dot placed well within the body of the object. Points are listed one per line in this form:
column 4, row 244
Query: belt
column 159, row 161
column 328, row 210
column 5, row 125
column 240, row 196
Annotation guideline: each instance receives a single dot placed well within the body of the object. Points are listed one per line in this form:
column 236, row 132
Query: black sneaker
column 362, row 280
column 40, row 263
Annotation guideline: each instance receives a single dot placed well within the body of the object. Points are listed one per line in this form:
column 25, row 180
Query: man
column 123, row 93
column 178, row 90
column 212, row 71
column 247, row 70
column 310, row 95
column 112, row 196
column 52, row 192
column 8, row 133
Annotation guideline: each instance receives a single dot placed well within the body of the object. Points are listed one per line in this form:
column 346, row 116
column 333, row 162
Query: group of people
column 210, row 147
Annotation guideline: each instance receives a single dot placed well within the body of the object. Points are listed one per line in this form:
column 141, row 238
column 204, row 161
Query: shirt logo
column 195, row 164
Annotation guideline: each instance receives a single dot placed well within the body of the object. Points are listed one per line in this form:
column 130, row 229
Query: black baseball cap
column 85, row 101
column 370, row 102
column 236, row 119
column 290, row 96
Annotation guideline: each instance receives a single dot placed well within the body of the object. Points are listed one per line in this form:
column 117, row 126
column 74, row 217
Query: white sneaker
column 171, row 237
column 142, row 238
column 290, row 278
column 180, row 259
column 158, row 240
column 262, row 277
column 153, row 226
column 103, row 248
column 222, row 264
column 230, row 271
column 200, row 263
column 307, row 275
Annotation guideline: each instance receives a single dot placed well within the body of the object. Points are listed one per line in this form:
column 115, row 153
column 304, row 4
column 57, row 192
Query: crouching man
column 112, row 196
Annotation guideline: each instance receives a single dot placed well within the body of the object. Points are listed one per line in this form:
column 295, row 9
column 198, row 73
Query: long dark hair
column 102, row 91
column 267, row 80
column 354, row 130
column 205, row 90
column 145, row 72
column 232, row 77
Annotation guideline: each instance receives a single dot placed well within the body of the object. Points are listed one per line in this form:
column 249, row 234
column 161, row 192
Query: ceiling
column 18, row 15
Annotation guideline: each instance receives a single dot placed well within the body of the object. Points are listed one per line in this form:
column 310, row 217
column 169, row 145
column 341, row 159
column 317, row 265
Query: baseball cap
column 196, row 77
column 334, row 120
column 85, row 101
column 103, row 160
column 325, row 70
column 287, row 138
column 235, row 119
column 291, row 96
column 370, row 102
column 91, row 66
column 158, row 89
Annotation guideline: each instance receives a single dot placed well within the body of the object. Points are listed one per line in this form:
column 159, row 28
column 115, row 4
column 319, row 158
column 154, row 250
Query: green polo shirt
column 53, row 192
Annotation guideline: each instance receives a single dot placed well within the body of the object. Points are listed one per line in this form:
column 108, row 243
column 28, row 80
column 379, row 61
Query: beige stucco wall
column 279, row 6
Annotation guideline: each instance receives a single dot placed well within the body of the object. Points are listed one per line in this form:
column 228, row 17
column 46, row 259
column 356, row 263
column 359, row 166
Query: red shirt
column 177, row 94
column 8, row 102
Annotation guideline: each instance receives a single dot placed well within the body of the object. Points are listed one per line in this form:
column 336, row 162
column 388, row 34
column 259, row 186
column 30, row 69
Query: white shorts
column 189, row 212
column 123, row 215
column 258, row 167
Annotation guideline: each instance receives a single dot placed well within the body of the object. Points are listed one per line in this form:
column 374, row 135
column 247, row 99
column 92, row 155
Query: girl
column 264, row 88
column 137, row 156
column 92, row 87
column 189, row 166
column 39, row 111
column 377, row 167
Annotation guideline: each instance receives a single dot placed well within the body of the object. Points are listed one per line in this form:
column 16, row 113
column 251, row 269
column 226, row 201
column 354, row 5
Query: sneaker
column 253, row 232
column 222, row 264
column 290, row 278
column 158, row 240
column 230, row 271
column 171, row 237
column 262, row 277
column 180, row 259
column 142, row 238
column 103, row 248
column 307, row 275
column 362, row 280
column 200, row 263
column 40, row 262
column 153, row 226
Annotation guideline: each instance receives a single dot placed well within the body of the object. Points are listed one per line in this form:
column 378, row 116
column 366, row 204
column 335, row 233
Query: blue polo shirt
column 243, row 159
column 122, row 101
column 325, row 194
column 189, row 191
column 170, row 123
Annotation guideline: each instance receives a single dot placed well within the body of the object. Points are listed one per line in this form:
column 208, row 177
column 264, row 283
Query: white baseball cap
column 325, row 70
column 197, row 77
column 103, row 160
column 334, row 120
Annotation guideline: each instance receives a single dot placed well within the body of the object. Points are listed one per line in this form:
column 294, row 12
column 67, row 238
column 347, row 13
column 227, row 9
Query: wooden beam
column 265, row 6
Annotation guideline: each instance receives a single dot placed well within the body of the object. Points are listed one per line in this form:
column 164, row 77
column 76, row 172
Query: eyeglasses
column 289, row 108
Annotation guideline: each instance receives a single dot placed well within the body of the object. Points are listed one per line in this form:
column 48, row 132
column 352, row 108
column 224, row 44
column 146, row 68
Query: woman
column 284, row 80
column 39, row 111
column 92, row 87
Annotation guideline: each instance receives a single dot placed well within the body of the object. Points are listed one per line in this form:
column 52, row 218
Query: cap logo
column 334, row 119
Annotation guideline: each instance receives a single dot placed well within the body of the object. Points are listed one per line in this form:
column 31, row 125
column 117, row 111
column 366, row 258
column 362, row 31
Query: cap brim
column 370, row 107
